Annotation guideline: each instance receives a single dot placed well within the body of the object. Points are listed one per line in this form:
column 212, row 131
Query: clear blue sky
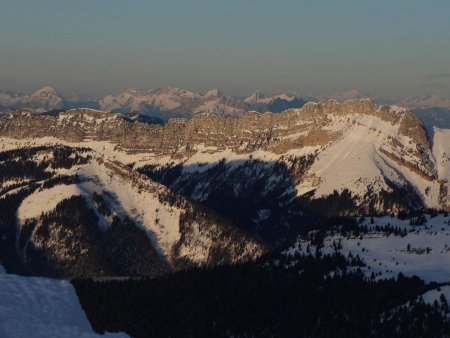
column 384, row 47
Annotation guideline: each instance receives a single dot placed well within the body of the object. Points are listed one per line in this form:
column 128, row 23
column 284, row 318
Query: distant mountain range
column 163, row 103
column 170, row 102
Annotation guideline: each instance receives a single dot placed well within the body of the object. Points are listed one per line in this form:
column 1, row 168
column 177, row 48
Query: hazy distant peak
column 356, row 93
column 176, row 91
column 213, row 93
column 353, row 94
column 285, row 96
column 78, row 97
column 426, row 101
column 45, row 92
column 256, row 96
column 133, row 92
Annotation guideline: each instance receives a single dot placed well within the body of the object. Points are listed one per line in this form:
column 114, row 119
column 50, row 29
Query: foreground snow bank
column 40, row 307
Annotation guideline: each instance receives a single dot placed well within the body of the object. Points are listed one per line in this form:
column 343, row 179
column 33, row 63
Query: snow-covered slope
column 33, row 307
column 371, row 153
column 387, row 246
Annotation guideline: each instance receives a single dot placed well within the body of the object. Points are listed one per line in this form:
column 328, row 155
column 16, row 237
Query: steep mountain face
column 432, row 109
column 270, row 174
column 70, row 212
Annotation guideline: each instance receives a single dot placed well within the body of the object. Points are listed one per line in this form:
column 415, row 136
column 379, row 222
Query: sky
column 391, row 48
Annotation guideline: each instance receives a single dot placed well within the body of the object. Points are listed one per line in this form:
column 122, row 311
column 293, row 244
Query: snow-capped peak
column 45, row 91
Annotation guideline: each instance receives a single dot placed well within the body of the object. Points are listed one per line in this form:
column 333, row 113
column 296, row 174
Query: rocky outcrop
column 312, row 125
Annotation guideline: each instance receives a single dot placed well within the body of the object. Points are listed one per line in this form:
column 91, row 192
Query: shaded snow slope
column 40, row 307
column 139, row 200
column 435, row 295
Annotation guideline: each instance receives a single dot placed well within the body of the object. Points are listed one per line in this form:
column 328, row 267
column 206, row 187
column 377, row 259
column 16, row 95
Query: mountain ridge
column 70, row 212
column 391, row 140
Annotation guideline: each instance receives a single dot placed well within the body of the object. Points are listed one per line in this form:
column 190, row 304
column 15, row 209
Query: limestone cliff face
column 292, row 128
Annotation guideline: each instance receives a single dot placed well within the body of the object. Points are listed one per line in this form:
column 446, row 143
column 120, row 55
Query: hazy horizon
column 241, row 95
column 103, row 47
